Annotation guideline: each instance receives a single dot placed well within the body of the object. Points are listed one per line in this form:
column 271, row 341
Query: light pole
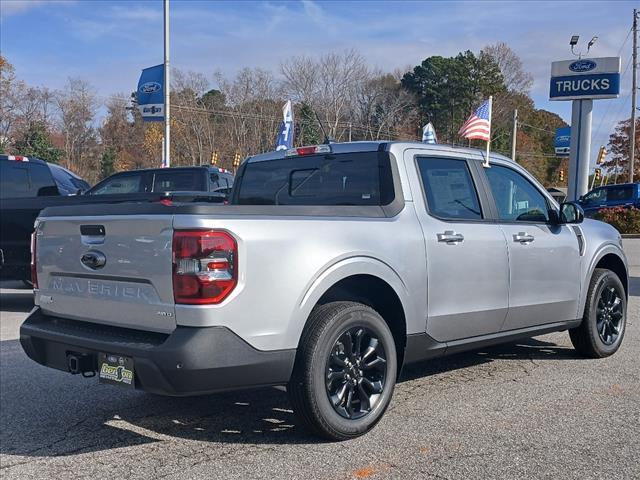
column 166, row 145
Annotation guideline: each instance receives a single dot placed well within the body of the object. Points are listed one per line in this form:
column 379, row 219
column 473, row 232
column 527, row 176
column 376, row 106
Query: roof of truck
column 372, row 146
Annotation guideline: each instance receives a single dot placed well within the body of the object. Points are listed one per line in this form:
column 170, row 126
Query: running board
column 420, row 346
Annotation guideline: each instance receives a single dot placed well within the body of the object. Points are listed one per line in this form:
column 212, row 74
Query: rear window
column 362, row 178
column 172, row 181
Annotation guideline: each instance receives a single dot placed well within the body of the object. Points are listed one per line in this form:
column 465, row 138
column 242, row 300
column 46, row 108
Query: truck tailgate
column 113, row 270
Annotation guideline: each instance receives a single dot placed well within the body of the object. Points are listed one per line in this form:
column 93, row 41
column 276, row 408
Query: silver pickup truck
column 333, row 266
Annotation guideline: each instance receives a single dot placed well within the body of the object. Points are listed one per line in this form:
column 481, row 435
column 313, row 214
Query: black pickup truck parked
column 28, row 185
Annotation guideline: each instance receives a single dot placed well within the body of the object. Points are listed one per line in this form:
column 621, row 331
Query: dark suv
column 27, row 185
column 175, row 179
column 609, row 196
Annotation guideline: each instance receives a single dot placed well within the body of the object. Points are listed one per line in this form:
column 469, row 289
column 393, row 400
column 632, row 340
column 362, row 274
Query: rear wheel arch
column 378, row 294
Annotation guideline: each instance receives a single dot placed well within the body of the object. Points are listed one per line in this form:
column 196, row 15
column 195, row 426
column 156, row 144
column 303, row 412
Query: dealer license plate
column 116, row 370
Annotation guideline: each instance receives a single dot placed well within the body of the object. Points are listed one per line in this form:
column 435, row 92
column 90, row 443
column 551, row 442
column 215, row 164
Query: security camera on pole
column 583, row 80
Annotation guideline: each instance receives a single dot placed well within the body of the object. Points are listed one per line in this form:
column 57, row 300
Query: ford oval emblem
column 582, row 66
column 150, row 87
column 94, row 259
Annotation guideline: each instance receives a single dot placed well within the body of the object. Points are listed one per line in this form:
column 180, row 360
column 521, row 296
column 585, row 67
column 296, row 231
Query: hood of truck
column 112, row 270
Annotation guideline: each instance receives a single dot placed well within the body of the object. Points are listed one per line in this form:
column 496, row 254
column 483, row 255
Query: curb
column 630, row 235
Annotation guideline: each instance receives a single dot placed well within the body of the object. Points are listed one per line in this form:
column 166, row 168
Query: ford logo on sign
column 582, row 66
column 150, row 87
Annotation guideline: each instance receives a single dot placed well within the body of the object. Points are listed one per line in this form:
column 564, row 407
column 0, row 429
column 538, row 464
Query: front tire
column 345, row 371
column 605, row 316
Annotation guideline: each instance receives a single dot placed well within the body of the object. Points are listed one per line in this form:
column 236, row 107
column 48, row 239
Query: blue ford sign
column 582, row 66
column 151, row 94
column 562, row 141
column 585, row 79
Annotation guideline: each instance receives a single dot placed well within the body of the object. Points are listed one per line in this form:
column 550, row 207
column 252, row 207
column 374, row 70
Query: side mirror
column 571, row 212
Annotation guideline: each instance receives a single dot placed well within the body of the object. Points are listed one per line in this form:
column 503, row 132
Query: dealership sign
column 586, row 78
column 562, row 141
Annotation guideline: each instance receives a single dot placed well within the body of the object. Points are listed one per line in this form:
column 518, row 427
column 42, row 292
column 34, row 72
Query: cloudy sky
column 108, row 42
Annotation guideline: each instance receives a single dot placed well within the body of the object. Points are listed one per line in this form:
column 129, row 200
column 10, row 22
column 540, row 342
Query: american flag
column 477, row 126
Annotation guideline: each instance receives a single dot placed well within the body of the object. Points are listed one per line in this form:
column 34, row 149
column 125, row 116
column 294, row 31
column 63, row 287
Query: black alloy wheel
column 345, row 370
column 356, row 372
column 603, row 324
column 609, row 315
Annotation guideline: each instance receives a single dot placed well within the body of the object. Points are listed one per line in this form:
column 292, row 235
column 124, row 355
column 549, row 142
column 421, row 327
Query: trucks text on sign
column 585, row 79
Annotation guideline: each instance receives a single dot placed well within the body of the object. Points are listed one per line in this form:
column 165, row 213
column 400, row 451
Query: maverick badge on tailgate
column 116, row 370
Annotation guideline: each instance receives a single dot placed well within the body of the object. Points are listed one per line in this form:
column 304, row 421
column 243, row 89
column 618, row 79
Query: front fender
column 599, row 254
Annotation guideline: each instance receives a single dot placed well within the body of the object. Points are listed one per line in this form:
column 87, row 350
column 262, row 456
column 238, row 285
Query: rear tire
column 605, row 316
column 345, row 371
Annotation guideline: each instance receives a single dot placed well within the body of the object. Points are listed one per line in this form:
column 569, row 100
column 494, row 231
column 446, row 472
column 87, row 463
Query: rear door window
column 352, row 179
column 449, row 188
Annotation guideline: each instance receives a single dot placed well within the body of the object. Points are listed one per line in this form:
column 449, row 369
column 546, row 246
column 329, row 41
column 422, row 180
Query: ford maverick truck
column 332, row 267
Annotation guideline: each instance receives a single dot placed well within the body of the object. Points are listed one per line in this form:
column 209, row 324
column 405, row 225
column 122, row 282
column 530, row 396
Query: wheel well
column 377, row 294
column 614, row 263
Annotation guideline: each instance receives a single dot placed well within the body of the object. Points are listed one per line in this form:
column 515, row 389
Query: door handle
column 450, row 237
column 523, row 237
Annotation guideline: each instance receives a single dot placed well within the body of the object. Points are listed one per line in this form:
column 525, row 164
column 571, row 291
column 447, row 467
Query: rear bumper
column 189, row 361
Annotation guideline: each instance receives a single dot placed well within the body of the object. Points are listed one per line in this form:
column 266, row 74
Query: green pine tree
column 107, row 162
column 307, row 130
column 35, row 142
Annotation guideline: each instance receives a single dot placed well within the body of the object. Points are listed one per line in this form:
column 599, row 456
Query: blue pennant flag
column 285, row 134
column 150, row 94
column 429, row 134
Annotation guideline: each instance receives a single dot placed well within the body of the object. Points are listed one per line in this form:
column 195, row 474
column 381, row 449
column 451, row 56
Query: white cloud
column 15, row 7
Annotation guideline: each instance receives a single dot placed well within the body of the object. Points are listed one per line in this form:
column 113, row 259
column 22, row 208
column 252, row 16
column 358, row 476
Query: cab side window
column 449, row 189
column 129, row 183
column 517, row 199
column 597, row 196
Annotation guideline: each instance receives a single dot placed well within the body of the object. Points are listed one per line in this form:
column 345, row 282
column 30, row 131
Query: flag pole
column 167, row 106
column 486, row 160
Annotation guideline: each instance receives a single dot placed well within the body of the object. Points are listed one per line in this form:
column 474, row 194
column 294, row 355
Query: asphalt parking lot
column 531, row 409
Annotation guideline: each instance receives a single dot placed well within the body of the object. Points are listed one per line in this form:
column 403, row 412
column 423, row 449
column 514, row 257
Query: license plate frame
column 114, row 369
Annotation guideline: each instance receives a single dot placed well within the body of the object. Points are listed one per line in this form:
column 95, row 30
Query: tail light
column 34, row 273
column 204, row 266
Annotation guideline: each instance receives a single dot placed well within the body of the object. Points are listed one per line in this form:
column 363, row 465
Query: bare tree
column 77, row 105
column 194, row 138
column 11, row 92
column 253, row 111
column 329, row 85
column 510, row 65
column 383, row 108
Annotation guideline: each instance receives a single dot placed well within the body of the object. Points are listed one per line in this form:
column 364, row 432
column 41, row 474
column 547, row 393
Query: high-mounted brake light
column 34, row 272
column 18, row 158
column 205, row 264
column 311, row 150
